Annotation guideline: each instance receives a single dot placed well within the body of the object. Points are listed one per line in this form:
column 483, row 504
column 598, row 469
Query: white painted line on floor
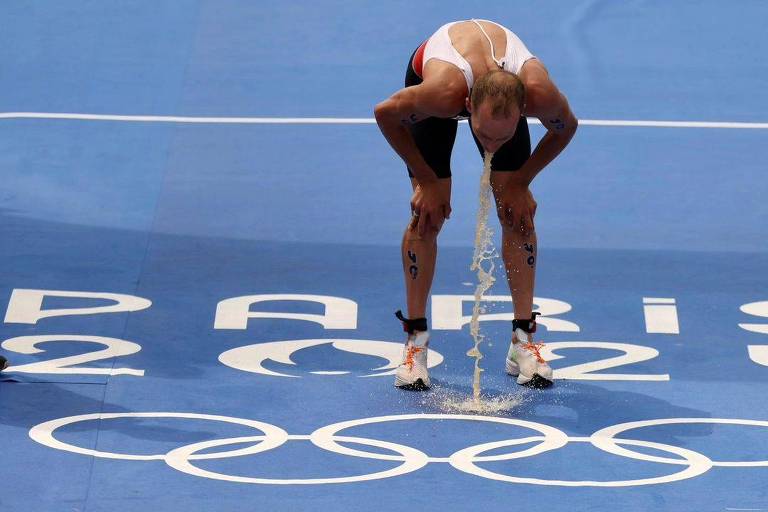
column 347, row 120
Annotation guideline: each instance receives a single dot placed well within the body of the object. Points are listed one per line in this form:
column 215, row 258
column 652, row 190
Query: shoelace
column 535, row 347
column 412, row 351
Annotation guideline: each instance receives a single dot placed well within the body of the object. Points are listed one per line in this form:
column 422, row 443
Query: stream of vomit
column 483, row 264
column 446, row 399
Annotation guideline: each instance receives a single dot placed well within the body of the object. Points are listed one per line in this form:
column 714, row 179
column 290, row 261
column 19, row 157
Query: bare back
column 467, row 38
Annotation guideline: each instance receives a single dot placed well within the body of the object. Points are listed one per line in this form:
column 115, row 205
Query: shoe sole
column 536, row 382
column 419, row 385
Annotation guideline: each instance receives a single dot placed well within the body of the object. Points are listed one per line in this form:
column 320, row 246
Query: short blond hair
column 502, row 88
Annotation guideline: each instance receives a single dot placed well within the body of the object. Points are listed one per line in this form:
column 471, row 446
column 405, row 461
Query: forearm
column 399, row 137
column 551, row 145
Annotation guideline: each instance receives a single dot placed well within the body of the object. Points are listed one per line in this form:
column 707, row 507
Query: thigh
column 499, row 181
column 434, row 137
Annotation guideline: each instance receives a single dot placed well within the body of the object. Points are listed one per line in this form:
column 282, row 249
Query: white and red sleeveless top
column 439, row 46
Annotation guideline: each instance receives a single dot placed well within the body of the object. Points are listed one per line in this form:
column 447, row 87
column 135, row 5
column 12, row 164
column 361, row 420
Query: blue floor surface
column 195, row 406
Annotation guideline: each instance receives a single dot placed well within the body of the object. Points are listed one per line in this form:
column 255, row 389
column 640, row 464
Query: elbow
column 382, row 110
column 573, row 126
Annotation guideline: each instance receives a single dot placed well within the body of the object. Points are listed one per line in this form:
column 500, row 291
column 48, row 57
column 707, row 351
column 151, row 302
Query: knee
column 517, row 232
column 429, row 233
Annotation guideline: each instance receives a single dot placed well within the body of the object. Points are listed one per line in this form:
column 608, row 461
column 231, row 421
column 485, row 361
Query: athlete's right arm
column 405, row 107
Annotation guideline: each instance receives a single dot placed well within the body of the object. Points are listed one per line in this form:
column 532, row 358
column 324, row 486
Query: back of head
column 503, row 90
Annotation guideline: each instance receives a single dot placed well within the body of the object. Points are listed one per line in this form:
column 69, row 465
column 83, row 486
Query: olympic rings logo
column 410, row 459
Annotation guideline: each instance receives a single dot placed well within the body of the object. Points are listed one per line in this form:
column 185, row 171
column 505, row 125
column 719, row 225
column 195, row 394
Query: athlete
column 481, row 71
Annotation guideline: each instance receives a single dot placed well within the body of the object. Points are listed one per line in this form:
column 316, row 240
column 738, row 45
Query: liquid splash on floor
column 456, row 402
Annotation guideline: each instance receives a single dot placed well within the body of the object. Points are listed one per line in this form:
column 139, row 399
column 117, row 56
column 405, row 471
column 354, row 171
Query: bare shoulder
column 444, row 88
column 541, row 93
column 544, row 100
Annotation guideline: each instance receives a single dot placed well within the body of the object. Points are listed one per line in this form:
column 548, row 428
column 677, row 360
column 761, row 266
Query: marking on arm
column 557, row 123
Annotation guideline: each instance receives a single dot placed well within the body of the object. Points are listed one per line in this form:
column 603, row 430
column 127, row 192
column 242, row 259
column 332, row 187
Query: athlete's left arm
column 545, row 102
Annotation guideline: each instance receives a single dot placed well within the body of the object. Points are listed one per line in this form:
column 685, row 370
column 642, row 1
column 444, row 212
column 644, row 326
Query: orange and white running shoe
column 412, row 374
column 524, row 360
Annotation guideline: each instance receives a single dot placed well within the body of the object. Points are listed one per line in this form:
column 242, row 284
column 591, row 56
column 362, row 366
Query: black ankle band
column 528, row 326
column 411, row 325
